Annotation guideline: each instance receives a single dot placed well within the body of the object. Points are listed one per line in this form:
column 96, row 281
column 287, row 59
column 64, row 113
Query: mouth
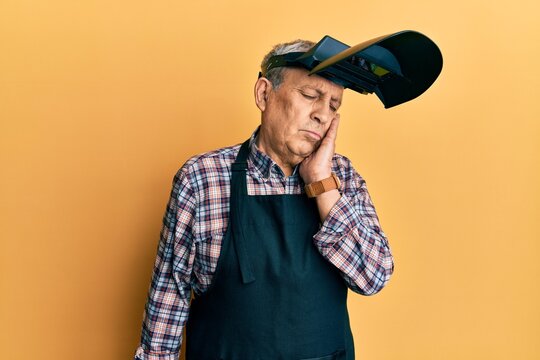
column 313, row 134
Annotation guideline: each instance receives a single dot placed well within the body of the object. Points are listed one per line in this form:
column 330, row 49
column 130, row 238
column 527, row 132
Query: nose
column 321, row 112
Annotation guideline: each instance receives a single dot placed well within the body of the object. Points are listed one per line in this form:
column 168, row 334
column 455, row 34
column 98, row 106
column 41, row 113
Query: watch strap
column 318, row 187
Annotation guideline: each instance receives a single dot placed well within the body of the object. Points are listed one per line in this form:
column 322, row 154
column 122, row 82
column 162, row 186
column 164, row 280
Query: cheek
column 289, row 117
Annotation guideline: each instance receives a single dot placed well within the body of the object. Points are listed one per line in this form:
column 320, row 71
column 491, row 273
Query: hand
column 318, row 165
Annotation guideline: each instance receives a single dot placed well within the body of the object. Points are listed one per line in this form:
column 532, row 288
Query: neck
column 276, row 152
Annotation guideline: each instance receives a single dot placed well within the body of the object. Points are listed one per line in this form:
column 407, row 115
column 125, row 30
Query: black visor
column 397, row 67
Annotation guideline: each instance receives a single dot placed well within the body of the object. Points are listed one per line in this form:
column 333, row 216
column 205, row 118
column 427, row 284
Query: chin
column 303, row 149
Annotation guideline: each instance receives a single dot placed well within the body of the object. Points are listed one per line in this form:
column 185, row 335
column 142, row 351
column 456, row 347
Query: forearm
column 351, row 239
column 167, row 307
column 162, row 329
column 364, row 260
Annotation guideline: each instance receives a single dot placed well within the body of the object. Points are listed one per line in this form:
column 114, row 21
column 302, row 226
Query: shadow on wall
column 140, row 268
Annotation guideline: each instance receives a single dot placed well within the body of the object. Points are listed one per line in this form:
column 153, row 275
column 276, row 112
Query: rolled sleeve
column 142, row 354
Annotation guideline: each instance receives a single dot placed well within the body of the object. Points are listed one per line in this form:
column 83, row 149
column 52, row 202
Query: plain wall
column 102, row 101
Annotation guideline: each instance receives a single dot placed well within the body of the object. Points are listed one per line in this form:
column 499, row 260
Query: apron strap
column 238, row 191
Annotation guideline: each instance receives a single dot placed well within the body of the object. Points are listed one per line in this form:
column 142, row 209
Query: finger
column 331, row 134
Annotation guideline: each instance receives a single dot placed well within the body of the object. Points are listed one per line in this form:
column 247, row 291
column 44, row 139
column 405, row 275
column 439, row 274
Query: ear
column 263, row 88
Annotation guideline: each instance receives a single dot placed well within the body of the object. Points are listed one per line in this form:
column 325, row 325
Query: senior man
column 267, row 236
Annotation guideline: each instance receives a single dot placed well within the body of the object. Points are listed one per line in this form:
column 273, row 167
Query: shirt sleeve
column 167, row 306
column 351, row 237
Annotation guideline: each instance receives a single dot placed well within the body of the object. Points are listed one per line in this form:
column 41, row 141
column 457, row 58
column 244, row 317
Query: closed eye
column 310, row 97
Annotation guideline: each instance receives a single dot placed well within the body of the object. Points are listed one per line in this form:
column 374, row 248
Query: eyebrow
column 338, row 100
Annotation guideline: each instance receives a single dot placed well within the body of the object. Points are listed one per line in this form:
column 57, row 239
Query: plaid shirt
column 194, row 226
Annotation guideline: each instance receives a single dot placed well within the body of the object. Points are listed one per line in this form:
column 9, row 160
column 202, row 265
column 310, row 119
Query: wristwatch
column 322, row 186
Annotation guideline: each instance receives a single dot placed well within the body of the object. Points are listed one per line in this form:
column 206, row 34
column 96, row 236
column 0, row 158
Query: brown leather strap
column 322, row 186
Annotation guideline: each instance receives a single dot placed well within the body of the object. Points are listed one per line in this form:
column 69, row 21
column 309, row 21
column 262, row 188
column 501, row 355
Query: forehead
column 299, row 78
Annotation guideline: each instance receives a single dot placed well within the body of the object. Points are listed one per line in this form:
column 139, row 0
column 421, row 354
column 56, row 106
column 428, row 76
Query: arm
column 167, row 307
column 351, row 238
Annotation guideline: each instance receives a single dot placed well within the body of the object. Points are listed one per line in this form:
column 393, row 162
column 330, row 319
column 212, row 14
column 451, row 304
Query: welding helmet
column 397, row 67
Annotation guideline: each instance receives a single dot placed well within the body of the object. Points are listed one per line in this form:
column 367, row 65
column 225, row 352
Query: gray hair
column 275, row 75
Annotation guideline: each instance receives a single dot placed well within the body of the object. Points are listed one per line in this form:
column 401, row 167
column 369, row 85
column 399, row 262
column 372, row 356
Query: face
column 297, row 115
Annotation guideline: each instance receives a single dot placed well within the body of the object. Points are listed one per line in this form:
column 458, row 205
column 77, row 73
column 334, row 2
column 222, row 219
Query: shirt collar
column 262, row 162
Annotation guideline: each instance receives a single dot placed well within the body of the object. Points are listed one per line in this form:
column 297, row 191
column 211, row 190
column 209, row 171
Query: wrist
column 311, row 178
column 324, row 185
column 325, row 196
column 326, row 201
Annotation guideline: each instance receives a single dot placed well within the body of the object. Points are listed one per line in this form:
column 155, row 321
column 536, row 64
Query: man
column 269, row 267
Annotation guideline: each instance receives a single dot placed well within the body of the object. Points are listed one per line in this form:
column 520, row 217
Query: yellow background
column 102, row 101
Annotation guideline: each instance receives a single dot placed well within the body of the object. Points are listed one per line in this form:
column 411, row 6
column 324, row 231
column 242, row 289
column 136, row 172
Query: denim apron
column 273, row 295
